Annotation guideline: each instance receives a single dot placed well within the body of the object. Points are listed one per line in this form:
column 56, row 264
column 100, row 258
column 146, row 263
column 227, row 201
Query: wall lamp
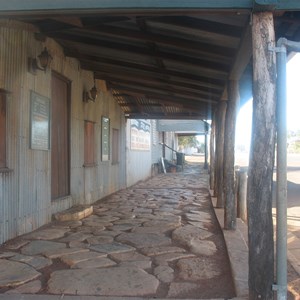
column 42, row 62
column 91, row 95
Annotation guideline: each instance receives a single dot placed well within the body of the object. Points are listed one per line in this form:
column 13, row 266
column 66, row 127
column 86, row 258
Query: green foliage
column 296, row 147
column 294, row 141
column 188, row 141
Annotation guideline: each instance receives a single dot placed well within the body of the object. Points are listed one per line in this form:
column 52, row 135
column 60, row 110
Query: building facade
column 58, row 148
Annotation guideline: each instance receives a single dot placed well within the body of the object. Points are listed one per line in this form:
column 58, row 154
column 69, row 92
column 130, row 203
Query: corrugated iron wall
column 25, row 189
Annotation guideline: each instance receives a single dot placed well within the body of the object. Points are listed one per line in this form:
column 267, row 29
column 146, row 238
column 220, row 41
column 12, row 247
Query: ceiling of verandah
column 168, row 64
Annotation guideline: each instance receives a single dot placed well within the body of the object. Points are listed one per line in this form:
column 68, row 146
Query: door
column 60, row 136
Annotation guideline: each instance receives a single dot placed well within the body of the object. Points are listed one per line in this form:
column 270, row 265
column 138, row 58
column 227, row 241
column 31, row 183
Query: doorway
column 60, row 137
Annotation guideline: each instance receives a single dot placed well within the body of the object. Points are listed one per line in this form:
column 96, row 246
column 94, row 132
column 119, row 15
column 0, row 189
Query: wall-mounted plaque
column 105, row 139
column 39, row 122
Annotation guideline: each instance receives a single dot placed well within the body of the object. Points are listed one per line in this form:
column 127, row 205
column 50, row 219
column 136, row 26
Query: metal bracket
column 264, row 5
column 279, row 288
column 281, row 49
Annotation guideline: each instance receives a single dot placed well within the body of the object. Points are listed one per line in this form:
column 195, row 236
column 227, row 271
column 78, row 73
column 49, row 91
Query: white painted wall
column 138, row 162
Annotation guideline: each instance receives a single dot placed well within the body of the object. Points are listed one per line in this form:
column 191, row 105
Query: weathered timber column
column 205, row 150
column 220, row 152
column 242, row 195
column 212, row 153
column 259, row 193
column 228, row 174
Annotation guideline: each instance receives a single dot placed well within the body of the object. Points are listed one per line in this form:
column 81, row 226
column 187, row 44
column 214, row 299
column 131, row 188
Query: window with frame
column 115, row 146
column 89, row 144
column 2, row 130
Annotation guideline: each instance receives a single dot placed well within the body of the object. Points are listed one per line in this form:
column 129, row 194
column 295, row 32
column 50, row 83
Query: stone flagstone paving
column 159, row 238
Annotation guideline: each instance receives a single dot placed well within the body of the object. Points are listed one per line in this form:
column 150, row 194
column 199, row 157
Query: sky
column 293, row 93
column 244, row 119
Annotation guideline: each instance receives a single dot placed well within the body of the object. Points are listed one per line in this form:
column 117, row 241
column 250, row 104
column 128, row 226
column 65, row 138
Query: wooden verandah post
column 212, row 153
column 220, row 129
column 228, row 174
column 259, row 194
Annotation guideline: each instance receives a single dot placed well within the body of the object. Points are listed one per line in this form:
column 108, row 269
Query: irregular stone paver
column 151, row 251
column 16, row 244
column 77, row 244
column 198, row 216
column 184, row 235
column 96, row 240
column 121, row 227
column 32, row 287
column 86, row 229
column 7, row 254
column 97, row 225
column 61, row 252
column 38, row 247
column 169, row 223
column 144, row 216
column 116, row 281
column 156, row 229
column 129, row 256
column 112, row 248
column 72, row 259
column 164, row 273
column 169, row 257
column 198, row 224
column 78, row 236
column 201, row 247
column 194, row 269
column 37, row 262
column 66, row 224
column 142, row 210
column 15, row 273
column 99, row 210
column 141, row 264
column 47, row 234
column 107, row 233
column 129, row 219
column 104, row 219
column 98, row 262
column 99, row 230
column 140, row 240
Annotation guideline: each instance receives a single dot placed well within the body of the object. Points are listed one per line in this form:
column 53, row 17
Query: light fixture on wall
column 42, row 62
column 91, row 95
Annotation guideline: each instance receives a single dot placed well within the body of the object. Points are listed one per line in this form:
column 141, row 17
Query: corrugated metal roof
column 167, row 64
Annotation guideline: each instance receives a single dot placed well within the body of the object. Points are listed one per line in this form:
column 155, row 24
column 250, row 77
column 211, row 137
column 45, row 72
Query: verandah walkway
column 159, row 238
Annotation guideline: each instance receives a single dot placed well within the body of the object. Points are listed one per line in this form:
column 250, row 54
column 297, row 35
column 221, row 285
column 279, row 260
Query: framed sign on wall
column 39, row 122
column 140, row 134
column 105, row 139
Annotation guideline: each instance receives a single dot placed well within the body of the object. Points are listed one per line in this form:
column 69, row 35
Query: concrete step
column 75, row 213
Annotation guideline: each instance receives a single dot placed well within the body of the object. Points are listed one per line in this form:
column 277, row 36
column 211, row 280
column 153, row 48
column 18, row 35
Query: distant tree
column 187, row 141
column 294, row 141
column 201, row 148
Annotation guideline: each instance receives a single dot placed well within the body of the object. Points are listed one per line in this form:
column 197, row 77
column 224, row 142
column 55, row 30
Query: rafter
column 154, row 82
column 152, row 94
column 116, row 65
column 210, row 27
column 214, row 68
column 201, row 48
column 164, row 89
